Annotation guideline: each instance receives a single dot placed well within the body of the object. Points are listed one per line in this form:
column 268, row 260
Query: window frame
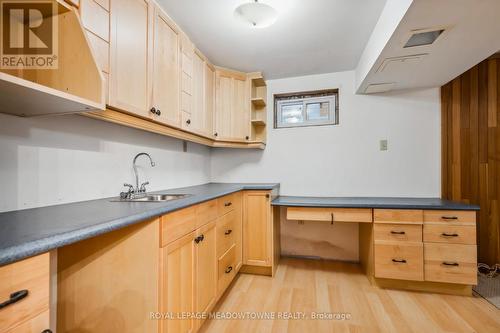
column 306, row 97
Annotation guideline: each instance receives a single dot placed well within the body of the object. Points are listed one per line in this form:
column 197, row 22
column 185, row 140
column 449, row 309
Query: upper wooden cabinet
column 209, row 90
column 130, row 55
column 232, row 106
column 166, row 69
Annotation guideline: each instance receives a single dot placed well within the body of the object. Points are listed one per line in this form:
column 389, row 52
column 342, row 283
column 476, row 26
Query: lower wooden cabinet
column 257, row 228
column 178, row 284
column 206, row 270
column 399, row 261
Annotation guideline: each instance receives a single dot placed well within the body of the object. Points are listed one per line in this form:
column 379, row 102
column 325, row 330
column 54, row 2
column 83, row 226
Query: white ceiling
column 309, row 37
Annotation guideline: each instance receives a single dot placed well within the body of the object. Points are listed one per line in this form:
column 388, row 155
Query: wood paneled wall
column 471, row 149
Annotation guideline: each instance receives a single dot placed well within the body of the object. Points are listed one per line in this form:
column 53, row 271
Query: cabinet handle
column 199, row 239
column 158, row 112
column 444, row 234
column 247, row 137
column 215, row 134
column 448, row 263
column 397, row 232
column 188, row 121
column 153, row 110
column 14, row 298
column 229, row 269
column 267, row 195
column 332, row 219
column 399, row 261
column 227, row 204
column 228, row 232
column 449, row 217
column 47, row 331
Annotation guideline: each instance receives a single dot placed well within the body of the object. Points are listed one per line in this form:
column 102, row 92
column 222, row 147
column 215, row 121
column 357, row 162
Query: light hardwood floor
column 334, row 287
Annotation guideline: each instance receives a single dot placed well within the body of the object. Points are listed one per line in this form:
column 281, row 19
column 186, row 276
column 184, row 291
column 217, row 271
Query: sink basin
column 157, row 197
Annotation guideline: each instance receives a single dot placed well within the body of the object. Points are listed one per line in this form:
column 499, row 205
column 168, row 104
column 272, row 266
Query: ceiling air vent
column 379, row 88
column 421, row 38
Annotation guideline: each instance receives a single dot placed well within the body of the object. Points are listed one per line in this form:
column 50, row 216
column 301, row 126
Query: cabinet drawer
column 95, row 18
column 34, row 325
column 177, row 224
column 453, row 234
column 228, row 203
column 399, row 261
column 397, row 232
column 452, row 263
column 226, row 268
column 329, row 214
column 31, row 275
column 206, row 212
column 226, row 231
column 450, row 216
column 399, row 216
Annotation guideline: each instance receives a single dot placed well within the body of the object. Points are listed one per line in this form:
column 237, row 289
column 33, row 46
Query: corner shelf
column 259, row 101
column 258, row 122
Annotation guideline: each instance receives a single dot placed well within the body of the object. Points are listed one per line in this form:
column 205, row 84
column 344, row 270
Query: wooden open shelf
column 76, row 85
column 258, row 101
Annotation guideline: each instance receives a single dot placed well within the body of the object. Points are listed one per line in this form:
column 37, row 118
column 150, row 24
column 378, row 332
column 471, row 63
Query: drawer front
column 31, row 275
column 329, row 214
column 399, row 261
column 452, row 234
column 226, row 268
column 397, row 232
column 228, row 203
column 95, row 18
column 177, row 224
column 226, row 232
column 399, row 216
column 450, row 216
column 34, row 325
column 206, row 212
column 451, row 263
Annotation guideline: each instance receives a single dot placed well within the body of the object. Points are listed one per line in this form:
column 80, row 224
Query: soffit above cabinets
column 463, row 33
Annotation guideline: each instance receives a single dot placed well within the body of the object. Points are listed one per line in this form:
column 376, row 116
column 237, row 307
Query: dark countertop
column 372, row 202
column 25, row 233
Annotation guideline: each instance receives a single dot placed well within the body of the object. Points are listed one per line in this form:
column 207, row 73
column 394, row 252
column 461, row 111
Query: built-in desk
column 426, row 244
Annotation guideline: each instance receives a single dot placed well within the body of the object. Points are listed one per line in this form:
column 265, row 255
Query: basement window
column 314, row 108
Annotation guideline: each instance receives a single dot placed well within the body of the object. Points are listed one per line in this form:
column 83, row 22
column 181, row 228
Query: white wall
column 52, row 160
column 344, row 160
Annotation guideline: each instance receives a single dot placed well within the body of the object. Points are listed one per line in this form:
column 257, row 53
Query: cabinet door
column 240, row 116
column 130, row 53
column 209, row 99
column 224, row 104
column 198, row 112
column 166, row 70
column 206, row 269
column 178, row 284
column 257, row 232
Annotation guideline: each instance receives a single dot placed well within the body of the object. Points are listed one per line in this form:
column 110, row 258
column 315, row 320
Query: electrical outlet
column 383, row 145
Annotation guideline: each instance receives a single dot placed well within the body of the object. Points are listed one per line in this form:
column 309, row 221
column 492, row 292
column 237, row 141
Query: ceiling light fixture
column 259, row 15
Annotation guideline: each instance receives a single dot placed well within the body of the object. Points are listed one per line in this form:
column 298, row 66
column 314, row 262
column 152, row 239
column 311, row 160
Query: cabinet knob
column 47, row 331
column 158, row 112
column 228, row 269
column 228, row 232
column 227, row 204
column 247, row 137
column 153, row 110
column 267, row 195
column 215, row 134
column 188, row 121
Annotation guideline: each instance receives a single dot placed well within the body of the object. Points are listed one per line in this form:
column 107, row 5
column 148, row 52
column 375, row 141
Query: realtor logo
column 29, row 34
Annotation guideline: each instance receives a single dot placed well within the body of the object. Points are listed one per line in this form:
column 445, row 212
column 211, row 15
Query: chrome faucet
column 138, row 190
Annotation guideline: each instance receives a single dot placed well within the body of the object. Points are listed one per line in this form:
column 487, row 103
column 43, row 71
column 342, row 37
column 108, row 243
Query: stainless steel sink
column 156, row 197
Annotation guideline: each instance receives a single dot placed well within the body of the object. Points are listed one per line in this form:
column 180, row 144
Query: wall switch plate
column 383, row 145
